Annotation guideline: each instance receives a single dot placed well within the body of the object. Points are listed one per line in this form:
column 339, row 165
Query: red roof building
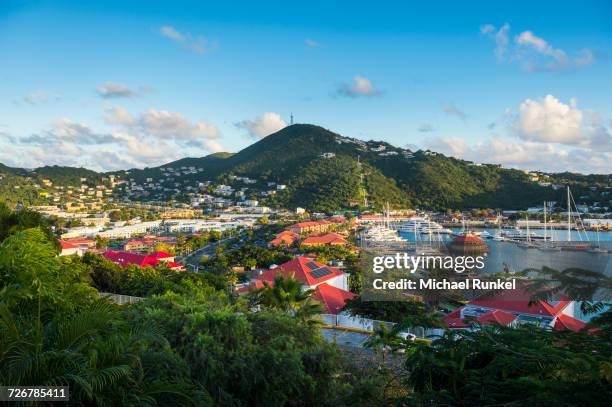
column 333, row 299
column 497, row 317
column 126, row 258
column 330, row 285
column 329, row 239
column 77, row 245
column 567, row 323
column 284, row 238
column 509, row 307
column 306, row 270
column 162, row 256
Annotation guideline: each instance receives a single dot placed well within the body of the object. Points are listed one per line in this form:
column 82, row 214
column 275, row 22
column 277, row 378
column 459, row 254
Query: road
column 192, row 260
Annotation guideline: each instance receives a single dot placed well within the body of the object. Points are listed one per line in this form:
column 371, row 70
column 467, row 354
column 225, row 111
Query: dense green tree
column 287, row 295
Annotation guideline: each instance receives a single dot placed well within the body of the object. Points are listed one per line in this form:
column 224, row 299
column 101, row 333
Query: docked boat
column 381, row 234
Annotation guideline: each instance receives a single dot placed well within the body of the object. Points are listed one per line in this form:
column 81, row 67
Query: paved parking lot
column 344, row 338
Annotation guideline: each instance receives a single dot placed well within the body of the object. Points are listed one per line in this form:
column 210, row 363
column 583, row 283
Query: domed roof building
column 468, row 243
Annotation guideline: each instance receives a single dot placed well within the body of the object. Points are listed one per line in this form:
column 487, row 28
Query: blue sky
column 112, row 84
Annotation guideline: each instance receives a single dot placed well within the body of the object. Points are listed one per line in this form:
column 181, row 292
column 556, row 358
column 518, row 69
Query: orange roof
column 68, row 245
column 285, row 237
column 81, row 241
column 302, row 269
column 330, row 238
column 333, row 298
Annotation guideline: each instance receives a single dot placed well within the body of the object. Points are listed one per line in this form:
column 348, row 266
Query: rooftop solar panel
column 312, row 265
column 320, row 272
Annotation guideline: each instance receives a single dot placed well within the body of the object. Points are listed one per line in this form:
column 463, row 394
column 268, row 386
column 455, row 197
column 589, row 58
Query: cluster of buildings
column 123, row 230
column 382, row 149
column 311, row 234
column 91, row 194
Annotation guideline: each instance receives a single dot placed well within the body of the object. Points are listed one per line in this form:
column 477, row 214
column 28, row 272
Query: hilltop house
column 330, row 284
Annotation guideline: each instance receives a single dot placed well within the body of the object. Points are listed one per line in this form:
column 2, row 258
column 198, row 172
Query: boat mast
column 545, row 235
column 569, row 216
column 415, row 233
column 528, row 236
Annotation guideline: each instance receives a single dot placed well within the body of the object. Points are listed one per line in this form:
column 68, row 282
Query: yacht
column 381, row 234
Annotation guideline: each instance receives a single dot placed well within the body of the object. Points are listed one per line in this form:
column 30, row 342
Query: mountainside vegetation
column 325, row 171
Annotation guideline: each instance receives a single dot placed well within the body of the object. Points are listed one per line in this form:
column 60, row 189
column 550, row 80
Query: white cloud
column 67, row 131
column 545, row 134
column 525, row 154
column 162, row 123
column 110, row 90
column 499, row 36
column 548, row 120
column 152, row 137
column 263, row 125
column 119, row 115
column 533, row 52
column 37, row 97
column 311, row 43
column 361, row 86
column 197, row 43
column 558, row 57
column 170, row 32
column 452, row 110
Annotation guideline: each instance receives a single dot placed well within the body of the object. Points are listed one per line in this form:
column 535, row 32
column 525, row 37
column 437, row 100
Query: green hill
column 372, row 171
column 326, row 171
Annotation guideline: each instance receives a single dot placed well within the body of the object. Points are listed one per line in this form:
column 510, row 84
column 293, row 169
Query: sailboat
column 527, row 244
column 548, row 246
column 569, row 245
column 598, row 249
column 498, row 235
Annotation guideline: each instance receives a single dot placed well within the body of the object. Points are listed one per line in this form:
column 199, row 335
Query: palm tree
column 288, row 295
column 102, row 360
column 383, row 340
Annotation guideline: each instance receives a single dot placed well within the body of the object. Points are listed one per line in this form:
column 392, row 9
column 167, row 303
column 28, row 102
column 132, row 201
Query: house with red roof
column 162, row 256
column 515, row 307
column 330, row 284
column 141, row 260
column 331, row 298
column 69, row 249
column 77, row 245
column 329, row 239
column 284, row 238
